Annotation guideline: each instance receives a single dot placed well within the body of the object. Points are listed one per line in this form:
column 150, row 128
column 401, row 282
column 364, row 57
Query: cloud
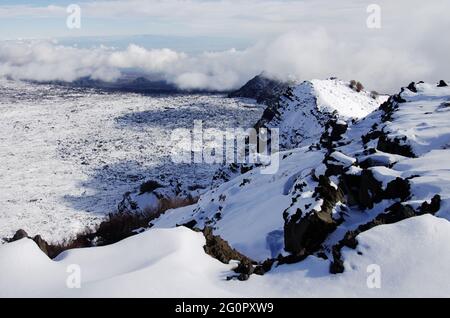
column 293, row 40
column 295, row 55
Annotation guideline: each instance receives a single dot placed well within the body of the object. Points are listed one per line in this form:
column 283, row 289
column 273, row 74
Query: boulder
column 442, row 83
column 221, row 250
column 20, row 234
column 304, row 235
column 394, row 147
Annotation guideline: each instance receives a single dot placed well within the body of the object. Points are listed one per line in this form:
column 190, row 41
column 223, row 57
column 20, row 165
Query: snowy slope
column 330, row 190
column 422, row 118
column 247, row 211
column 348, row 194
column 304, row 109
column 300, row 113
column 415, row 137
column 232, row 208
column 171, row 263
column 68, row 155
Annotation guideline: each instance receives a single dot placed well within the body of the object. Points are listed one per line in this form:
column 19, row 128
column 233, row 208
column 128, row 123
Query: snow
column 342, row 158
column 69, row 155
column 304, row 114
column 249, row 210
column 384, row 175
column 423, row 118
column 336, row 95
column 382, row 159
column 433, row 173
column 262, row 199
column 354, row 171
column 171, row 263
column 266, row 201
column 158, row 263
column 403, row 251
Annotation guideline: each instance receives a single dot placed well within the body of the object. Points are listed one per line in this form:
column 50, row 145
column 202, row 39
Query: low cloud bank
column 295, row 55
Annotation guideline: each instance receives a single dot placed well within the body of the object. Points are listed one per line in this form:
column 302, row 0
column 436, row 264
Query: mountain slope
column 263, row 89
column 353, row 196
column 299, row 111
column 344, row 183
column 303, row 110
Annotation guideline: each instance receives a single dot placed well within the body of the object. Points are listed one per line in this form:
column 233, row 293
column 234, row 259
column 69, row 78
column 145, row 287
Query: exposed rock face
column 365, row 191
column 398, row 189
column 412, row 87
column 337, row 173
column 442, row 83
column 20, row 234
column 222, row 251
column 41, row 243
column 361, row 188
column 262, row 88
column 394, row 147
column 334, row 129
column 433, row 207
column 44, row 246
column 304, row 235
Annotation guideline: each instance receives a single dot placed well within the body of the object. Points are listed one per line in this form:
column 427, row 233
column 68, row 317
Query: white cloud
column 295, row 39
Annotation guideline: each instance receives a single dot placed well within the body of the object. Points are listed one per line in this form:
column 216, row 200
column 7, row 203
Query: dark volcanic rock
column 220, row 249
column 371, row 136
column 303, row 236
column 337, row 130
column 395, row 213
column 394, row 147
column 41, row 243
column 20, row 234
column 306, row 236
column 412, row 87
column 370, row 190
column 265, row 267
column 398, row 188
column 363, row 190
column 337, row 265
column 442, row 83
column 263, row 89
column 149, row 186
column 433, row 207
column 44, row 246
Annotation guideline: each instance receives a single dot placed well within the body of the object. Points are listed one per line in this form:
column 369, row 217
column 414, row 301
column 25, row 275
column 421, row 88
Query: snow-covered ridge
column 342, row 183
column 334, row 95
column 300, row 112
column 305, row 108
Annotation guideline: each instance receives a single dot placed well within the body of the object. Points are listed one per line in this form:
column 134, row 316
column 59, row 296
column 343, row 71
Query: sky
column 216, row 44
column 247, row 19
